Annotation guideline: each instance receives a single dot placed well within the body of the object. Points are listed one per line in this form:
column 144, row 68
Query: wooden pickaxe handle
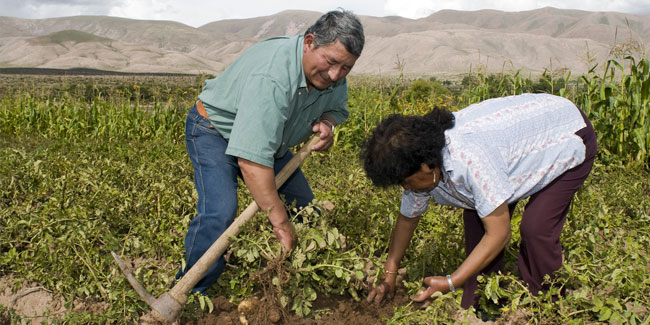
column 195, row 273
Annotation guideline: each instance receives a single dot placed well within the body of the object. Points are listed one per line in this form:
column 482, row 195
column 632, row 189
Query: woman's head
column 401, row 144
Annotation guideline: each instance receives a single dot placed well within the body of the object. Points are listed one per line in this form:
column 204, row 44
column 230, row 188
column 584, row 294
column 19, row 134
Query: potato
column 248, row 305
column 274, row 315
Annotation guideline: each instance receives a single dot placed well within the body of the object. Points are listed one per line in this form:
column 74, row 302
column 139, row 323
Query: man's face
column 325, row 65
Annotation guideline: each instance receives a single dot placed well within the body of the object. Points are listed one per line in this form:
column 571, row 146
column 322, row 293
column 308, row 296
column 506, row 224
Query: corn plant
column 618, row 102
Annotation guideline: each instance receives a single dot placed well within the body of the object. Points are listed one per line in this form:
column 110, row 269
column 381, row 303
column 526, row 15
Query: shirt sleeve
column 263, row 110
column 413, row 204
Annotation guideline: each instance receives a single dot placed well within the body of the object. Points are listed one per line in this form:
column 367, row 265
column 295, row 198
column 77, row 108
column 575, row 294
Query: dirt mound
column 330, row 310
column 32, row 302
column 37, row 304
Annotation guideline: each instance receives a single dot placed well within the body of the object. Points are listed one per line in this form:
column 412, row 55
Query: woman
column 484, row 159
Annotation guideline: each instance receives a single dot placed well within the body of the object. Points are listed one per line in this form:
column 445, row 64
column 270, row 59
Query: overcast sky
column 199, row 12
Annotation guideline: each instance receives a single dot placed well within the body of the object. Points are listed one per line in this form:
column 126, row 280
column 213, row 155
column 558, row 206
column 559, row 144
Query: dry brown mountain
column 447, row 42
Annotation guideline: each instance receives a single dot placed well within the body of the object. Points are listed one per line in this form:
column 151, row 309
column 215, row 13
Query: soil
column 37, row 304
column 30, row 302
column 334, row 310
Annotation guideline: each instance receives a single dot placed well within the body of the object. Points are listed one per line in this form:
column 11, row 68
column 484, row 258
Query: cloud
column 199, row 12
column 144, row 9
column 56, row 8
column 191, row 12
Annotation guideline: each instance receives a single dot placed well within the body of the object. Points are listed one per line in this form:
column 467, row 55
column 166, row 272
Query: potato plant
column 93, row 169
column 322, row 263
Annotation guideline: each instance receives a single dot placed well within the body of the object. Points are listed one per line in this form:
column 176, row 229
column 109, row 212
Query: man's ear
column 309, row 41
column 425, row 168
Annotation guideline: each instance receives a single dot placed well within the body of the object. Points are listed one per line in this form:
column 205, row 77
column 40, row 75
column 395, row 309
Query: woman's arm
column 400, row 239
column 495, row 239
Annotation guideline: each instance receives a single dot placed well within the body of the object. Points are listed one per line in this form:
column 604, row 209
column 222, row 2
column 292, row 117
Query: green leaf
column 330, row 238
column 297, row 303
column 317, row 236
column 605, row 313
column 202, row 301
column 353, row 293
column 311, row 294
column 598, row 304
column 210, row 305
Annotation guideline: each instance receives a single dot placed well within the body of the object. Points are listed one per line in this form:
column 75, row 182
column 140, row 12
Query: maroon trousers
column 540, row 252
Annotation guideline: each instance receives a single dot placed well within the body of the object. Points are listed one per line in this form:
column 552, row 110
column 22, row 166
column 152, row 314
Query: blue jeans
column 215, row 179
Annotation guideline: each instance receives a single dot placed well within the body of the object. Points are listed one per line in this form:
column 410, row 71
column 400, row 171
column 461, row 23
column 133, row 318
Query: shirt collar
column 299, row 47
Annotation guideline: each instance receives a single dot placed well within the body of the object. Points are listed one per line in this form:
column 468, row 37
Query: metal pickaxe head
column 165, row 309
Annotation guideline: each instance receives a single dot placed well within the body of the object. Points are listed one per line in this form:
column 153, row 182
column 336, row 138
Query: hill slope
column 447, row 42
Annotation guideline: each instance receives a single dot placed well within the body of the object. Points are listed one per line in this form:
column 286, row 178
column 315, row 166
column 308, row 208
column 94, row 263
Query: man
column 484, row 159
column 271, row 98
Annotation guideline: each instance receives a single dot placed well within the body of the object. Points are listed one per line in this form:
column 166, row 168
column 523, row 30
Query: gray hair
column 339, row 25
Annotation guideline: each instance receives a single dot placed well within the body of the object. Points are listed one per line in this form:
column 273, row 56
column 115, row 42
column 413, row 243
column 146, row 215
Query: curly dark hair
column 400, row 144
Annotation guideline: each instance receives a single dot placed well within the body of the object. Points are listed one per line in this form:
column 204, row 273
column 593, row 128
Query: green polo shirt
column 260, row 103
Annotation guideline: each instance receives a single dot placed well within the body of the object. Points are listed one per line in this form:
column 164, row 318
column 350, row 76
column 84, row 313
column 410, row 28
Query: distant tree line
column 84, row 72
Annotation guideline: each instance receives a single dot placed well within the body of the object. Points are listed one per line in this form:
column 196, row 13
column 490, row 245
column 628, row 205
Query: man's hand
column 433, row 284
column 385, row 289
column 260, row 181
column 326, row 136
column 286, row 235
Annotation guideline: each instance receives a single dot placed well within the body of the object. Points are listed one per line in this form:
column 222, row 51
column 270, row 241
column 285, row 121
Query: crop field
column 90, row 165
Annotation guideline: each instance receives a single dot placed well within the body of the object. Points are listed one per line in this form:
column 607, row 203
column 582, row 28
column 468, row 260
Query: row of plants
column 147, row 89
column 81, row 176
column 615, row 97
column 134, row 209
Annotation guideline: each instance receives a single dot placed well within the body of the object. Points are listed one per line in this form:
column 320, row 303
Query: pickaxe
column 167, row 308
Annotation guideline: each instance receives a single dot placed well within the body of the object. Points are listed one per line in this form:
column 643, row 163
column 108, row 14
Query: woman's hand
column 432, row 284
column 384, row 289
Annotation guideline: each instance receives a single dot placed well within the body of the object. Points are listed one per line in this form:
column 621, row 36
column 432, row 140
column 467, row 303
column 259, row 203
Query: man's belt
column 201, row 109
column 202, row 112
